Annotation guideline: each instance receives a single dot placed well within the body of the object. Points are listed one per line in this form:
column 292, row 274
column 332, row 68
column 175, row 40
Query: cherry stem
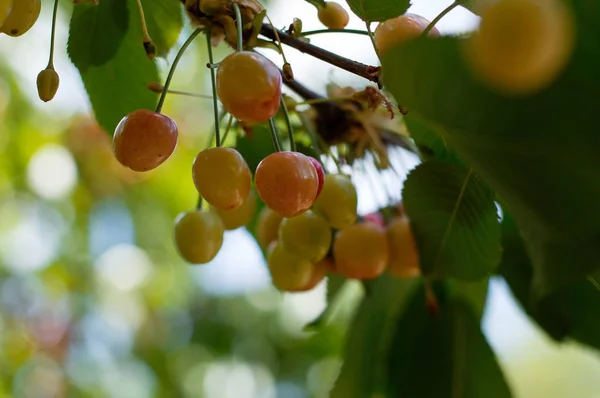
column 277, row 40
column 228, row 128
column 366, row 71
column 288, row 121
column 52, row 34
column 213, row 80
column 274, row 135
column 314, row 138
column 238, row 21
column 147, row 38
column 184, row 47
column 440, row 16
column 319, row 31
column 199, row 203
column 372, row 37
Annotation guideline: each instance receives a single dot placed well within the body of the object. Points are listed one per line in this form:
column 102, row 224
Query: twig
column 366, row 71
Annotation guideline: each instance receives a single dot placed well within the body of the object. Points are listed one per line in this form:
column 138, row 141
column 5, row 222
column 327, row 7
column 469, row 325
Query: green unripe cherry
column 47, row 84
column 338, row 201
column 307, row 236
column 198, row 235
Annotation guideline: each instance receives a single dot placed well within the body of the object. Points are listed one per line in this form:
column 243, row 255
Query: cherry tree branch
column 366, row 71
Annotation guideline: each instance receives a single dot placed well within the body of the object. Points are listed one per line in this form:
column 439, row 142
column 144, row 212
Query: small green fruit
column 47, row 84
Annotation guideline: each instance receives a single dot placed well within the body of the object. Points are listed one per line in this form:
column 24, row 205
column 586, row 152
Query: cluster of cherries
column 309, row 224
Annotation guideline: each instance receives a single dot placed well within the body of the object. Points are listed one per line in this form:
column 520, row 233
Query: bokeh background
column 94, row 301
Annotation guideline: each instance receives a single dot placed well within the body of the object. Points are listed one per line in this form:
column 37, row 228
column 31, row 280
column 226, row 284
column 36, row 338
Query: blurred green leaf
column 165, row 21
column 430, row 143
column 443, row 356
column 316, row 3
column 256, row 146
column 525, row 148
column 97, row 32
column 335, row 283
column 367, row 341
column 454, row 220
column 378, row 10
column 119, row 86
column 571, row 312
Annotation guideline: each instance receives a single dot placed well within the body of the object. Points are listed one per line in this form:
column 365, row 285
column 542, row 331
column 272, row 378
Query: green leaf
column 454, row 219
column 335, row 283
column 316, row 3
column 537, row 152
column 165, row 21
column 430, row 143
column 378, row 10
column 119, row 86
column 571, row 312
column 444, row 356
column 256, row 146
column 97, row 32
column 368, row 339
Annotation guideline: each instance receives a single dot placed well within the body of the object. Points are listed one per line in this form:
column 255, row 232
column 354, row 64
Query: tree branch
column 366, row 71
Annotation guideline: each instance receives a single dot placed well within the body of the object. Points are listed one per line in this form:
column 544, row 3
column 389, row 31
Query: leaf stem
column 440, row 16
column 238, row 21
column 366, row 71
column 274, row 135
column 184, row 47
column 288, row 121
column 52, row 35
column 372, row 37
column 213, row 80
column 319, row 31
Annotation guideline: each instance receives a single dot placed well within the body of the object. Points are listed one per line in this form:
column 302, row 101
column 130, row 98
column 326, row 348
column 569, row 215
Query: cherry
column 288, row 272
column 143, row 140
column 404, row 256
column 267, row 227
column 396, row 31
column 521, row 45
column 287, row 182
column 320, row 173
column 233, row 219
column 22, row 17
column 249, row 86
column 222, row 177
column 361, row 251
column 375, row 217
column 333, row 15
column 47, row 84
column 198, row 235
column 318, row 274
column 5, row 8
column 337, row 202
column 306, row 236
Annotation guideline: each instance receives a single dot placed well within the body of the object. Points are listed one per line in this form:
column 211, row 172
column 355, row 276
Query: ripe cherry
column 233, row 219
column 521, row 45
column 361, row 251
column 198, row 235
column 306, row 236
column 318, row 274
column 333, row 15
column 288, row 272
column 287, row 182
column 267, row 227
column 249, row 86
column 338, row 201
column 404, row 256
column 396, row 31
column 23, row 15
column 222, row 177
column 143, row 140
column 320, row 173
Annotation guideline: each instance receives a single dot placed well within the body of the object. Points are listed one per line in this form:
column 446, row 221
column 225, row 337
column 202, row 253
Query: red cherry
column 320, row 173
